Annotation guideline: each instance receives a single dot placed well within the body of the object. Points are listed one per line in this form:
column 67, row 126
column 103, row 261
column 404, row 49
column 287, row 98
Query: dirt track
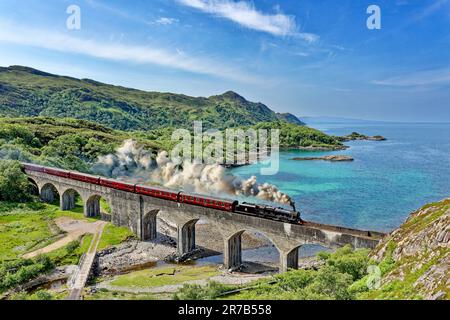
column 74, row 229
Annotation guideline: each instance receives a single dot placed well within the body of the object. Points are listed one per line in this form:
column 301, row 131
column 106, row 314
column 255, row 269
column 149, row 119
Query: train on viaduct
column 137, row 207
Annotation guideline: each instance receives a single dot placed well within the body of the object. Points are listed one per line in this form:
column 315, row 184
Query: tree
column 14, row 184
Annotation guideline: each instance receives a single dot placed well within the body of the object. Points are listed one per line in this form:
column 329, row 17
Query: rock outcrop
column 335, row 158
column 321, row 148
column 419, row 255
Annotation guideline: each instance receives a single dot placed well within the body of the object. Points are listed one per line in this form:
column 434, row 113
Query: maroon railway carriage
column 57, row 172
column 117, row 185
column 157, row 192
column 33, row 167
column 85, row 177
column 193, row 199
column 210, row 202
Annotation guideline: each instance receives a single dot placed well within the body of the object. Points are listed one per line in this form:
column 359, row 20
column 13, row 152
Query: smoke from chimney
column 133, row 163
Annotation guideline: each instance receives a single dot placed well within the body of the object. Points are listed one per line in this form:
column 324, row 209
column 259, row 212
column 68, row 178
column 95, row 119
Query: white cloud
column 421, row 78
column 248, row 16
column 138, row 54
column 166, row 21
column 431, row 9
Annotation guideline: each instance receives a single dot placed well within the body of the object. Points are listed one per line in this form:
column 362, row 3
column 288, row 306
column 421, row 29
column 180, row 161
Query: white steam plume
column 132, row 163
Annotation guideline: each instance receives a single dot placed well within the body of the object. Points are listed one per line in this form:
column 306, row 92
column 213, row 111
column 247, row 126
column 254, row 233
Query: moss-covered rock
column 415, row 258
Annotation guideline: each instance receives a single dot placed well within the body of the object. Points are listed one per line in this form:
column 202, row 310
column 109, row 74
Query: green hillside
column 76, row 144
column 31, row 93
column 290, row 118
column 64, row 143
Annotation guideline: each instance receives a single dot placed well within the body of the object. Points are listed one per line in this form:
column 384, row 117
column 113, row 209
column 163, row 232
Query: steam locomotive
column 250, row 209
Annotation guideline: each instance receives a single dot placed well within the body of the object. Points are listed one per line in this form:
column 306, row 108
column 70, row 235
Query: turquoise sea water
column 380, row 188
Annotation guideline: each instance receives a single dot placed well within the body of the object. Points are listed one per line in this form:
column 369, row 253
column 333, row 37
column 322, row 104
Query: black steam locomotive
column 269, row 212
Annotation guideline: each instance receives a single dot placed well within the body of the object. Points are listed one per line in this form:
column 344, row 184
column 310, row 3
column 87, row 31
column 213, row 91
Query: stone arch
column 93, row 207
column 69, row 198
column 49, row 193
column 34, row 187
column 287, row 253
column 149, row 226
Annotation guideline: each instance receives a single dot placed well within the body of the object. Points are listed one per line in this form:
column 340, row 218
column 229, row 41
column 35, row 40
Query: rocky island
column 321, row 148
column 333, row 158
column 358, row 136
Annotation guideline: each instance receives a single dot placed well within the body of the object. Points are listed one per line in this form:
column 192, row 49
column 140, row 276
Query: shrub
column 14, row 184
column 42, row 295
column 350, row 262
column 72, row 246
column 13, row 273
column 196, row 292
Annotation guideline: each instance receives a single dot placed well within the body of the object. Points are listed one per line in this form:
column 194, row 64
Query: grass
column 113, row 235
column 64, row 256
column 42, row 294
column 405, row 272
column 418, row 223
column 105, row 207
column 23, row 229
column 30, row 226
column 164, row 276
column 104, row 294
column 404, row 289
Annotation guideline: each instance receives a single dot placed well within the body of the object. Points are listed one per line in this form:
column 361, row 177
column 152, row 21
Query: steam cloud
column 135, row 164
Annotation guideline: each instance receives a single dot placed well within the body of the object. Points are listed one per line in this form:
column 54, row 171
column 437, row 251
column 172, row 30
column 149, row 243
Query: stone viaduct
column 139, row 213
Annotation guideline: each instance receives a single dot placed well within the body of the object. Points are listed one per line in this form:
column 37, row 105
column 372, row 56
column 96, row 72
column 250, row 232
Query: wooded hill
column 29, row 92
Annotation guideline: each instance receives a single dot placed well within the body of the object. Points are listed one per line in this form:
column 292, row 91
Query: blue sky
column 308, row 57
